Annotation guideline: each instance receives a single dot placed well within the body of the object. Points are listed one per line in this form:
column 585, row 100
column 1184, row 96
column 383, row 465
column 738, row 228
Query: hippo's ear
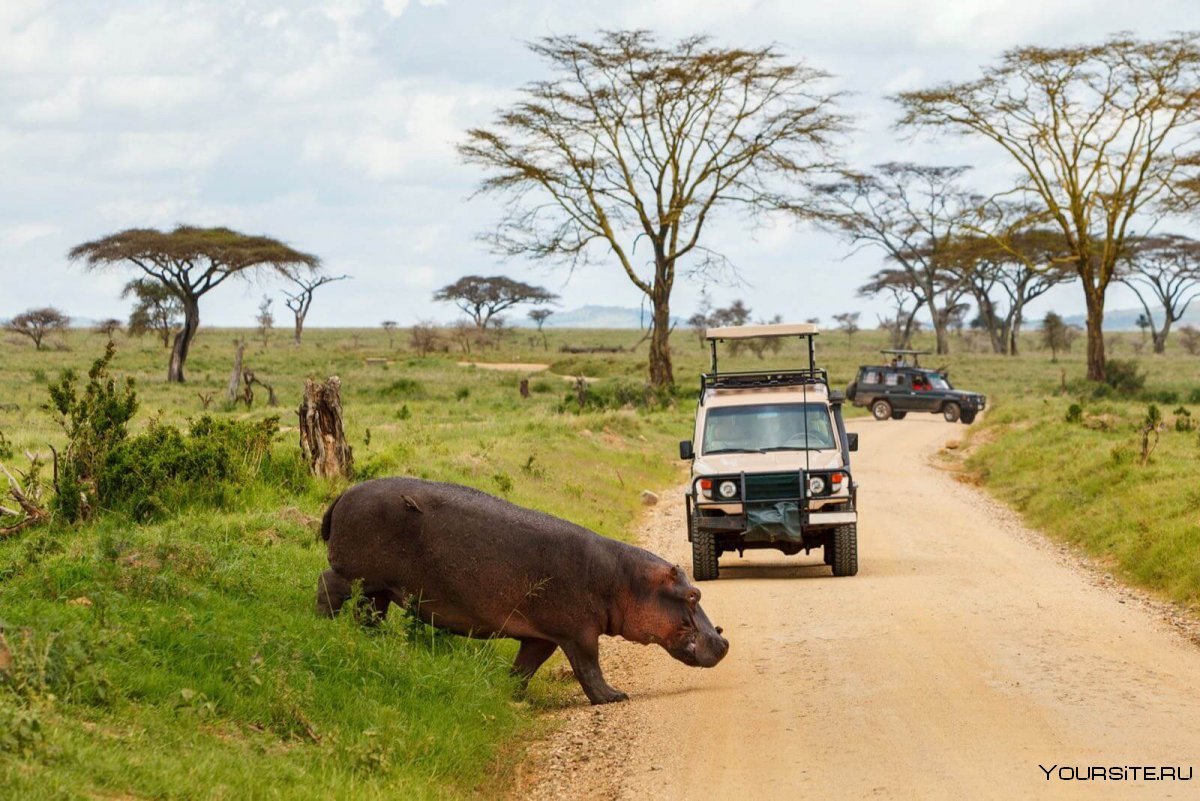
column 674, row 575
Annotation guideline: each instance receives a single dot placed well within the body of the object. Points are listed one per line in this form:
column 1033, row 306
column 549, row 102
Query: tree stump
column 322, row 439
column 524, row 387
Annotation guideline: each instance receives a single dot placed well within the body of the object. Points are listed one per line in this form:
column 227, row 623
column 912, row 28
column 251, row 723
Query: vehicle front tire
column 968, row 416
column 704, row 554
column 881, row 410
column 899, row 415
column 845, row 550
column 951, row 411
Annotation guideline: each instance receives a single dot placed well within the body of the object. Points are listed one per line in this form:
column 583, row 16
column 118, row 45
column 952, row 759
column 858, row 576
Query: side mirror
column 685, row 450
column 852, row 440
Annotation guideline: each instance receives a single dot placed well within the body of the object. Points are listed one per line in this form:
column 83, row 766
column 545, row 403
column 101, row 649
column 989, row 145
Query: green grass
column 194, row 667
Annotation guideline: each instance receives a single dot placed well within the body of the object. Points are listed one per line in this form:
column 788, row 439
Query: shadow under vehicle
column 894, row 389
column 770, row 461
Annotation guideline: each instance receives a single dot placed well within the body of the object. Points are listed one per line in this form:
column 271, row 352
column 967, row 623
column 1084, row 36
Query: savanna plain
column 167, row 647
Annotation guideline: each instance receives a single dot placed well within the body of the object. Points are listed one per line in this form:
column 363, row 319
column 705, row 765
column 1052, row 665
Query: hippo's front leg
column 584, row 657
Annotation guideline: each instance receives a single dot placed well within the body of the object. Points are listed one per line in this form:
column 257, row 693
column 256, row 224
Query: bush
column 95, row 423
column 1074, row 413
column 165, row 468
column 1184, row 421
column 618, row 394
column 407, row 388
column 1123, row 376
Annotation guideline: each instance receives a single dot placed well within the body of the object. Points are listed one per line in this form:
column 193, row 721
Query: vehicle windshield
column 769, row 427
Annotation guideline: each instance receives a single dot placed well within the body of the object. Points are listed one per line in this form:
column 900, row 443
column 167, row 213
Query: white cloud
column 21, row 234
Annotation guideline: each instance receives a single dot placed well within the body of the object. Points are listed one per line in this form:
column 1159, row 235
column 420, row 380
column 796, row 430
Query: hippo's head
column 675, row 621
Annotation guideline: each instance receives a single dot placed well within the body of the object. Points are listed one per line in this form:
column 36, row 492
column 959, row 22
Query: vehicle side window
column 871, row 377
column 891, row 379
column 919, row 382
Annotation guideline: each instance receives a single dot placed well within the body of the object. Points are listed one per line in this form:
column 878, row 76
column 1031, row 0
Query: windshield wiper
column 732, row 450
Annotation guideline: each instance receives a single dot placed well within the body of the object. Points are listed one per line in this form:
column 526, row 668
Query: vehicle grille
column 772, row 486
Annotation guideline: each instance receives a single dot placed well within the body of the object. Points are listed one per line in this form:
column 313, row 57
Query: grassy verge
column 180, row 658
column 1079, row 475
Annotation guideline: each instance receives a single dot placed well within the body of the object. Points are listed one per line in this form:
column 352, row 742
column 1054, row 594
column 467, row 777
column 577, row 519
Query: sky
column 333, row 125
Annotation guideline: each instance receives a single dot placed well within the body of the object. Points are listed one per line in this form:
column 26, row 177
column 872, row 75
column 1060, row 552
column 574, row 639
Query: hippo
column 479, row 566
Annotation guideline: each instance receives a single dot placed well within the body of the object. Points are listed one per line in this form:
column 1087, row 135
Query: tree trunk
column 661, row 373
column 183, row 339
column 1160, row 338
column 322, row 439
column 1095, row 333
column 235, row 378
column 299, row 327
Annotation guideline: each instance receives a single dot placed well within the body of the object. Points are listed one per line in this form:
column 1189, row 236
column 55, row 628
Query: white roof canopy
column 754, row 331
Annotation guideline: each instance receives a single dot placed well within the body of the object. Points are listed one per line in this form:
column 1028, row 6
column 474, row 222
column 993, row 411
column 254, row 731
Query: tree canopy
column 191, row 262
column 631, row 140
column 37, row 323
column 483, row 298
column 1100, row 135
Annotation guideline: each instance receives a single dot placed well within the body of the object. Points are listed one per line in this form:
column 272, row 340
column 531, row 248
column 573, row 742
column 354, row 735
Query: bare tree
column 1163, row 271
column 156, row 308
column 484, row 298
column 37, row 323
column 1100, row 135
column 910, row 212
column 424, row 338
column 191, row 262
column 848, row 322
column 389, row 327
column 539, row 317
column 108, row 327
column 299, row 299
column 634, row 140
column 265, row 320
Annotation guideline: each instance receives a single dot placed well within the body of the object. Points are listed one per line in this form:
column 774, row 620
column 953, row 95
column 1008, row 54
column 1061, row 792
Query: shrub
column 403, row 388
column 1123, row 376
column 1184, row 421
column 165, row 468
column 1074, row 413
column 618, row 394
column 95, row 423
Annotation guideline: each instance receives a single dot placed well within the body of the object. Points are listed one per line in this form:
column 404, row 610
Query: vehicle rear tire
column 881, row 410
column 899, row 415
column 845, row 550
column 951, row 411
column 704, row 554
column 968, row 416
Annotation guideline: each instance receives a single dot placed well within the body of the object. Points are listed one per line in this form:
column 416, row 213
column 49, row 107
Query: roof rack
column 899, row 356
column 762, row 378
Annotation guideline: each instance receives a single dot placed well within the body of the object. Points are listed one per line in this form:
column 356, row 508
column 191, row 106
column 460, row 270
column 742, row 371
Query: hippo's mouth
column 701, row 652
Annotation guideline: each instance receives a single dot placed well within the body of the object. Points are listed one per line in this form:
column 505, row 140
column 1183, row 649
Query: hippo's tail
column 327, row 520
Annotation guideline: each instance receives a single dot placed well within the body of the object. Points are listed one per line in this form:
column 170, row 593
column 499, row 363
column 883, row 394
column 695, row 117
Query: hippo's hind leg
column 585, row 662
column 530, row 657
column 332, row 591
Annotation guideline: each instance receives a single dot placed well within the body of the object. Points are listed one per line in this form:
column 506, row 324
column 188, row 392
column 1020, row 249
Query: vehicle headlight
column 727, row 489
column 816, row 485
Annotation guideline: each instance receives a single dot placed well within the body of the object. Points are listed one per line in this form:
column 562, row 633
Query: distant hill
column 599, row 317
column 1126, row 319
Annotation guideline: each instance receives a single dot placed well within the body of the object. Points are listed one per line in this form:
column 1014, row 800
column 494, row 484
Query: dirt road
column 965, row 653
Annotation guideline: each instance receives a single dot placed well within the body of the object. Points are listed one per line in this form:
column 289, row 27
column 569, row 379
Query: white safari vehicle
column 770, row 461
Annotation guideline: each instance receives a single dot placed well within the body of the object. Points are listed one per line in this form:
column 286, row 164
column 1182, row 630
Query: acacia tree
column 1056, row 334
column 848, row 322
column 1162, row 270
column 1007, row 253
column 1100, row 135
column 484, row 298
column 539, row 317
column 191, row 262
column 300, row 297
column 156, row 308
column 911, row 212
column 389, row 328
column 37, row 323
column 632, row 140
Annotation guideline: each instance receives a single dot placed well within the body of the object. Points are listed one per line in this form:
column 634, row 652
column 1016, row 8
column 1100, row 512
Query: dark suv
column 894, row 390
